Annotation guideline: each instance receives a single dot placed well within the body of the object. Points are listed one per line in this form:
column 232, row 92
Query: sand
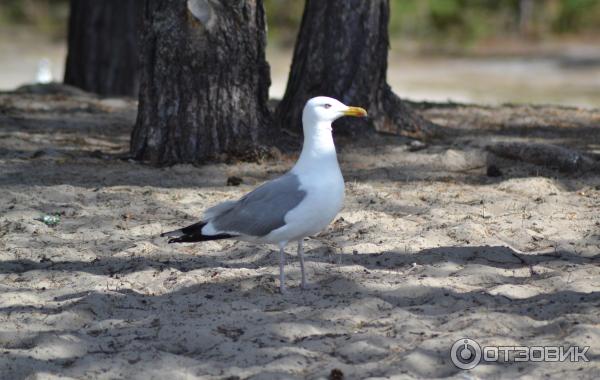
column 427, row 250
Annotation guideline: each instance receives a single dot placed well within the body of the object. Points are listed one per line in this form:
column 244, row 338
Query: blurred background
column 480, row 51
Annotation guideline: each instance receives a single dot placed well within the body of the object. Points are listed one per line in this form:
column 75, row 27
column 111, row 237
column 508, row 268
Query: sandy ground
column 427, row 250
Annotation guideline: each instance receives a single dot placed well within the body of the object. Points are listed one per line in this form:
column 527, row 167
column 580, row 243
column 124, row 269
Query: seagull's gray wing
column 221, row 208
column 260, row 211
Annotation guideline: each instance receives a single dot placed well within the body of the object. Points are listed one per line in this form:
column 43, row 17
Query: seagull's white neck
column 318, row 150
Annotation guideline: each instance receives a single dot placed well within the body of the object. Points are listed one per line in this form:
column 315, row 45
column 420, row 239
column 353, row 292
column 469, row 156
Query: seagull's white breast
column 324, row 200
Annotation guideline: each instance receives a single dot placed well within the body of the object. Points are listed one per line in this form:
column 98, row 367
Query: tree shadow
column 494, row 256
column 501, row 257
column 202, row 323
column 93, row 138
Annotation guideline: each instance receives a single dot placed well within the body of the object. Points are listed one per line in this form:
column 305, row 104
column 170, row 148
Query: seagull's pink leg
column 281, row 265
column 304, row 285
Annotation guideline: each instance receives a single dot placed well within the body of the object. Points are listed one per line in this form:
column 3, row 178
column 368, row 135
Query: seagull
column 298, row 204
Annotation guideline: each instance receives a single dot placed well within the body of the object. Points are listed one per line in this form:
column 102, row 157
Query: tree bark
column 205, row 81
column 342, row 52
column 103, row 46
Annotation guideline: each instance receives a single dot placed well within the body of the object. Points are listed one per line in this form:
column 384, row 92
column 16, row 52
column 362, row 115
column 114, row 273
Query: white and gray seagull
column 298, row 204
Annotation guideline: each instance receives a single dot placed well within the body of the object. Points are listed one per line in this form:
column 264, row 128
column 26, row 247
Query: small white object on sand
column 43, row 74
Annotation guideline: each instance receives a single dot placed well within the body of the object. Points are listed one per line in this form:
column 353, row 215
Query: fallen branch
column 566, row 160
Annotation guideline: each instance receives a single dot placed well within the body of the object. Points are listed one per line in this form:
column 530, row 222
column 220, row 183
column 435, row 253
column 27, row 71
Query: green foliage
column 46, row 16
column 577, row 16
column 469, row 21
column 461, row 22
column 284, row 17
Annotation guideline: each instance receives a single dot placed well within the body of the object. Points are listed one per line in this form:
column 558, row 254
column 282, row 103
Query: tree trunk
column 342, row 52
column 526, row 12
column 103, row 46
column 205, row 81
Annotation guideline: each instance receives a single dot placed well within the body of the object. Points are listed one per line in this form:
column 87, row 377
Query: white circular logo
column 465, row 353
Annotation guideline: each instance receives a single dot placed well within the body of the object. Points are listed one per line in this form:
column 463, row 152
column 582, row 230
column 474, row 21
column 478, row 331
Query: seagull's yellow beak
column 355, row 111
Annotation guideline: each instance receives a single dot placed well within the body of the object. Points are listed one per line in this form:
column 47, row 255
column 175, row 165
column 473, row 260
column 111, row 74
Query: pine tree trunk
column 342, row 52
column 205, row 81
column 103, row 46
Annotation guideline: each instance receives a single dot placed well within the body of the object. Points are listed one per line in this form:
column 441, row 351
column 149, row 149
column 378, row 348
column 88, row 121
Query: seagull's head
column 324, row 109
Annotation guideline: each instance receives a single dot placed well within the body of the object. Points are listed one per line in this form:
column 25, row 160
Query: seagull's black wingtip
column 192, row 234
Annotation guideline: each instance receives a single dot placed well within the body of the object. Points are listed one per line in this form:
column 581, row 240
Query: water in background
column 566, row 75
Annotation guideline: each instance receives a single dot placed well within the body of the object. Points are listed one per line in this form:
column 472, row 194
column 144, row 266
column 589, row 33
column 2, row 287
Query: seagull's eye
column 327, row 106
